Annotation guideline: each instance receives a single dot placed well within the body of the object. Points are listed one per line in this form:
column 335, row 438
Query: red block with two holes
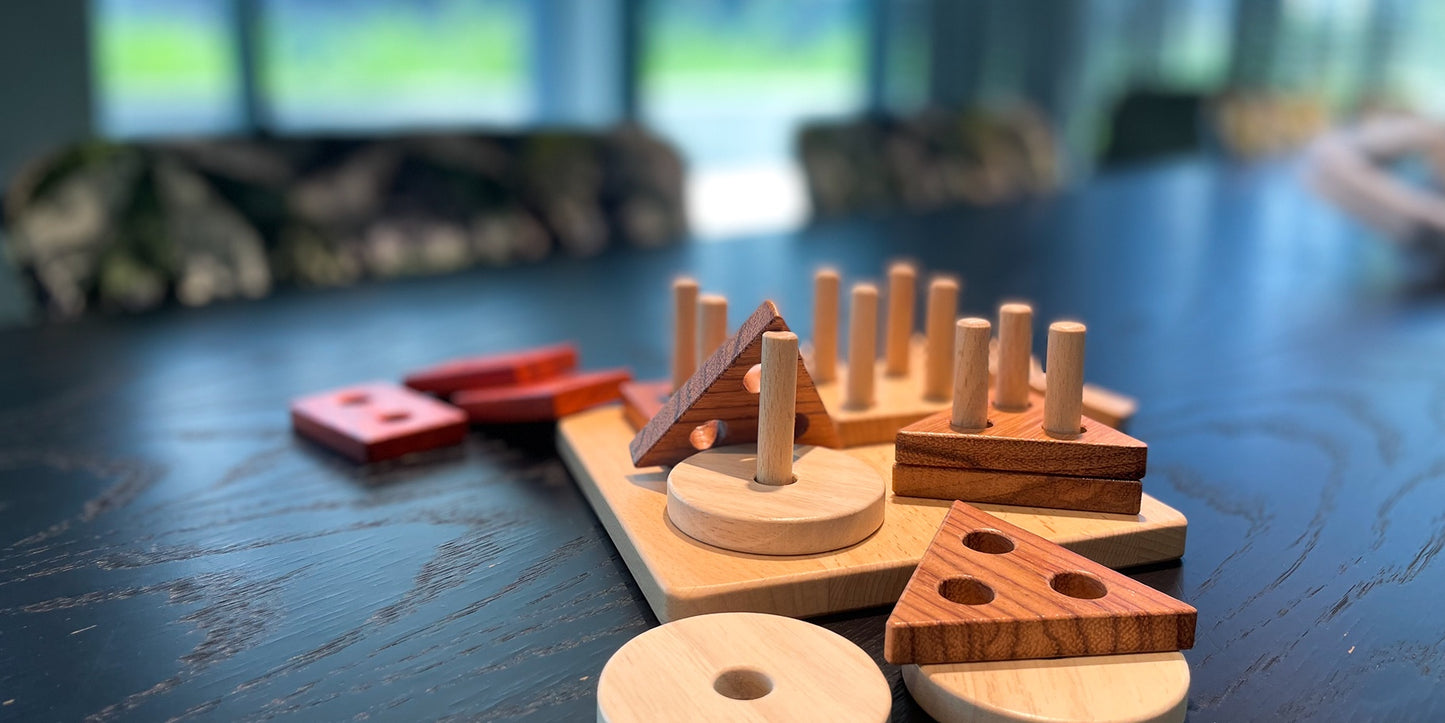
column 377, row 420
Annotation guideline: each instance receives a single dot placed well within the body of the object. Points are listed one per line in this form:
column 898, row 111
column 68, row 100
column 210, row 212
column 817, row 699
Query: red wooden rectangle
column 378, row 420
column 641, row 401
column 495, row 370
column 544, row 401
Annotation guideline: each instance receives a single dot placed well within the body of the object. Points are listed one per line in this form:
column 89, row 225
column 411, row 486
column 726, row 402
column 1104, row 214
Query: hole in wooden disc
column 393, row 417
column 1079, row 585
column 965, row 591
column 800, row 425
column 753, row 380
column 708, row 434
column 353, row 399
column 743, row 684
column 989, row 541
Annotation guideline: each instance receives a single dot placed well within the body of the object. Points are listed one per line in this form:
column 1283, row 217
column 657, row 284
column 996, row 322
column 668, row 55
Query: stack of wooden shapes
column 529, row 385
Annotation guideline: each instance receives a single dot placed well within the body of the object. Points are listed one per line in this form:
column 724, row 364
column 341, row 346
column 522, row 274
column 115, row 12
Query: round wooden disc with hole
column 741, row 667
column 836, row 501
column 1120, row 688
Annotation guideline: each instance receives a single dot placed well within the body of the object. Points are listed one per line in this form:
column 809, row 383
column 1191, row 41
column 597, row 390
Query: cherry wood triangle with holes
column 988, row 590
column 1017, row 442
column 716, row 393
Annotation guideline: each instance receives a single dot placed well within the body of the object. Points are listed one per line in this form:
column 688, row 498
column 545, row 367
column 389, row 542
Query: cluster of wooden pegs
column 700, row 326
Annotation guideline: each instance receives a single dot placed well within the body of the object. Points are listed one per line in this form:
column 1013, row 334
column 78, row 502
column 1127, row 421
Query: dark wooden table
column 170, row 550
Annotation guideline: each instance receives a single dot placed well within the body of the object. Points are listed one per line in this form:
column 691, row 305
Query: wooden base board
column 682, row 577
column 897, row 402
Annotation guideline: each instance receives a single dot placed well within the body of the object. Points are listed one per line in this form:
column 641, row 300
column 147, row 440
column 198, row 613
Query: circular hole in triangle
column 989, row 541
column 965, row 591
column 708, row 434
column 1079, row 585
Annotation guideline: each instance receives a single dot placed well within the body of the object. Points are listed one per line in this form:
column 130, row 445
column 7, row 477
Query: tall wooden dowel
column 1015, row 344
column 714, row 311
column 684, row 330
column 970, row 382
column 938, row 369
column 825, row 326
column 1064, row 395
column 901, row 292
column 777, row 405
column 862, row 346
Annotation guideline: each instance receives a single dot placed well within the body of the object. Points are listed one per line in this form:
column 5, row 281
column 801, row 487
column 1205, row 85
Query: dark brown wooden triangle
column 715, row 393
column 987, row 590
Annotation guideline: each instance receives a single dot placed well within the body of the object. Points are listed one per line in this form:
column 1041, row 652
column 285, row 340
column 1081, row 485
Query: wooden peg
column 1064, row 399
column 777, row 404
column 1015, row 342
column 714, row 312
column 862, row 346
column 970, row 381
column 901, row 291
column 825, row 326
column 938, row 369
column 684, row 337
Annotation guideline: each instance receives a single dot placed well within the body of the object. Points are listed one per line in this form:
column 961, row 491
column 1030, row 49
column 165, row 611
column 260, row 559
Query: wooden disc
column 836, row 501
column 1118, row 688
column 741, row 667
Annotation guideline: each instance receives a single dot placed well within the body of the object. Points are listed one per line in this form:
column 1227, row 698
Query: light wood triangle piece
column 714, row 407
column 987, row 590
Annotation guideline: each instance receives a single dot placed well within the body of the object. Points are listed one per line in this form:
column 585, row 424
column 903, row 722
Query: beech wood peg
column 777, row 402
column 901, row 292
column 684, row 338
column 970, row 382
column 862, row 346
column 1064, row 398
column 1015, row 344
column 714, row 311
column 938, row 369
column 825, row 326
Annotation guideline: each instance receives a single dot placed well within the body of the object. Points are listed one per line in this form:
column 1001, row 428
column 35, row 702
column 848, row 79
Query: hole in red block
column 353, row 399
column 393, row 417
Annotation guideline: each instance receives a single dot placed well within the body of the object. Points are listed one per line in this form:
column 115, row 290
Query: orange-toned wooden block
column 543, row 401
column 378, row 420
column 1017, row 442
column 495, row 370
column 988, row 590
column 641, row 401
column 1025, row 489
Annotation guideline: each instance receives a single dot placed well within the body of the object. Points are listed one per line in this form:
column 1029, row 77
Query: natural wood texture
column 641, row 401
column 902, row 290
column 898, row 402
column 495, row 370
column 682, row 577
column 1135, row 688
column 543, row 401
column 862, row 346
column 970, row 382
column 1029, row 489
column 741, row 667
column 716, row 396
column 377, row 420
column 684, row 330
column 1016, row 442
column 825, row 326
column 1064, row 397
column 713, row 312
column 777, row 403
column 834, row 501
column 1015, row 343
column 989, row 590
column 939, row 349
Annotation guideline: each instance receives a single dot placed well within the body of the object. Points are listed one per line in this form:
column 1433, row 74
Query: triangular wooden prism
column 1017, row 442
column 987, row 590
column 714, row 408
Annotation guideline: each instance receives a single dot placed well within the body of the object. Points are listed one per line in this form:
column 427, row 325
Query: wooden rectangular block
column 543, row 401
column 989, row 590
column 641, row 401
column 1028, row 489
column 495, row 370
column 682, row 577
column 1016, row 442
column 378, row 420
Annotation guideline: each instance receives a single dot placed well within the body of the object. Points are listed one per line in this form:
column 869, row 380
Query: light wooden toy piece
column 1064, row 399
column 777, row 402
column 715, row 408
column 938, row 325
column 1136, row 688
column 1101, row 405
column 970, row 382
column 902, row 279
column 988, row 590
column 1015, row 339
column 741, row 667
column 714, row 323
column 684, row 336
column 1028, row 489
column 825, row 326
column 862, row 346
column 681, row 577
